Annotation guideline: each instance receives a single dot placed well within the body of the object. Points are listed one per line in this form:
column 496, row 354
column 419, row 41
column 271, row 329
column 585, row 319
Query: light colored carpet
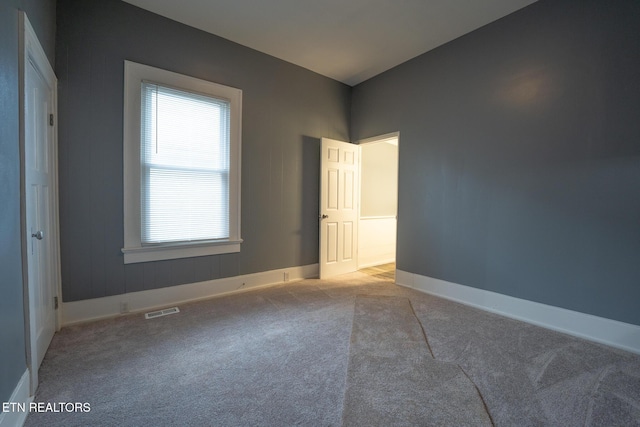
column 279, row 356
column 533, row 376
column 393, row 380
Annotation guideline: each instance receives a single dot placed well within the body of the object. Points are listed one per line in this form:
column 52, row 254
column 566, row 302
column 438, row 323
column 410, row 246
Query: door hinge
column 50, row 119
column 55, row 303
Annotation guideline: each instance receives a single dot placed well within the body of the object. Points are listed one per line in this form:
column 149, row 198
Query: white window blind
column 184, row 166
column 182, row 149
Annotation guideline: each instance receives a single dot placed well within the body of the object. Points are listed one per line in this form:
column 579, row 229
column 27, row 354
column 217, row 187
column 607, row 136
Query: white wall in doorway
column 378, row 202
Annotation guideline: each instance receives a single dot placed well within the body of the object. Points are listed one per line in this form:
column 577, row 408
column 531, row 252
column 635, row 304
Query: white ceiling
column 347, row 40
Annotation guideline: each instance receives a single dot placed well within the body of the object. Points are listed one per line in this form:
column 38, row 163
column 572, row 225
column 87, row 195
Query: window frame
column 133, row 250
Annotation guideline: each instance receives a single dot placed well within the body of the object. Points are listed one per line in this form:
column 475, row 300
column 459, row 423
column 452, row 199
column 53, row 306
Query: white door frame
column 30, row 51
column 374, row 140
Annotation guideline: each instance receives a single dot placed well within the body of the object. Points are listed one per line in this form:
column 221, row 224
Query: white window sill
column 179, row 250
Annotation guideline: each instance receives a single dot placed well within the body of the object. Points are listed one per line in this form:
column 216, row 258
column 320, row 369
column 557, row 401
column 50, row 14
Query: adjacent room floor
column 306, row 353
column 384, row 271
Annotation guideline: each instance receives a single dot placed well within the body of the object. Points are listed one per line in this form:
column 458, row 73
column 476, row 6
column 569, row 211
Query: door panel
column 39, row 199
column 348, row 242
column 349, row 202
column 338, row 207
column 332, row 242
column 332, row 188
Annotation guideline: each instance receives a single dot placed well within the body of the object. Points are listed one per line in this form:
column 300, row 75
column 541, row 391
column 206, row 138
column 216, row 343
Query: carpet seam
column 426, row 339
column 484, row 404
column 424, row 333
column 346, row 371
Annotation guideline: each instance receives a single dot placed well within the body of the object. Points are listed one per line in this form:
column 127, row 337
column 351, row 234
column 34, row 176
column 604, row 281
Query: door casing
column 32, row 55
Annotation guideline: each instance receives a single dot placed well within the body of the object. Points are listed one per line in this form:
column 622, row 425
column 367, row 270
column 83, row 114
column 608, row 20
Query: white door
column 338, row 207
column 40, row 221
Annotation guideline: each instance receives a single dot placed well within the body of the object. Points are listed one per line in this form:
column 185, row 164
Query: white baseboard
column 599, row 329
column 20, row 395
column 102, row 308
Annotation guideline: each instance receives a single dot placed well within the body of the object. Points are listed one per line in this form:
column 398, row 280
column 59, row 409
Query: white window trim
column 133, row 250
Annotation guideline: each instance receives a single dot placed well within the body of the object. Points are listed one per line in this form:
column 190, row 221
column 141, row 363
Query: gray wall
column 520, row 156
column 285, row 110
column 12, row 329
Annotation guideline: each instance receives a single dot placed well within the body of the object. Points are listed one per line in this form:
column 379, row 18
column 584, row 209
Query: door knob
column 38, row 235
column 324, row 216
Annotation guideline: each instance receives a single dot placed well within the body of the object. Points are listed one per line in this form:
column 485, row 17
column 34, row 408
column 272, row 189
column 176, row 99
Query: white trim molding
column 106, row 307
column 179, row 250
column 387, row 137
column 32, row 56
column 599, row 329
column 16, row 417
column 134, row 250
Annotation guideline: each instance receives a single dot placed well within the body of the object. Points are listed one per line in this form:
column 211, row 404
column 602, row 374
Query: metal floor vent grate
column 160, row 313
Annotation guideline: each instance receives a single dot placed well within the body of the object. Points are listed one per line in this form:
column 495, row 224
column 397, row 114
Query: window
column 181, row 166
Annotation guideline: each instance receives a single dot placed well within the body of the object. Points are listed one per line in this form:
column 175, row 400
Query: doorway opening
column 383, row 271
column 358, row 204
column 378, row 212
